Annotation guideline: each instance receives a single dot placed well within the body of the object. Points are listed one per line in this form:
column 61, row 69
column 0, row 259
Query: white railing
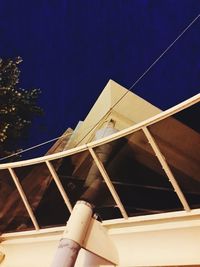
column 90, row 148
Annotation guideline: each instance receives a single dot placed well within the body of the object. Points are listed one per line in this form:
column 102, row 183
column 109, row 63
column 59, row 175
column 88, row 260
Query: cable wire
column 36, row 146
column 119, row 100
column 147, row 70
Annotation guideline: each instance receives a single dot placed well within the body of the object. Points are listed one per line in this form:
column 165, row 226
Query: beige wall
column 156, row 240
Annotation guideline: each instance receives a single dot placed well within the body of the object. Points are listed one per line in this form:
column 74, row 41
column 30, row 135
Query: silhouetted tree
column 17, row 106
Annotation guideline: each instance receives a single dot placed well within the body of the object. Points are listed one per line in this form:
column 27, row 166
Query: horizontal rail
column 111, row 224
column 163, row 115
column 150, row 121
column 43, row 159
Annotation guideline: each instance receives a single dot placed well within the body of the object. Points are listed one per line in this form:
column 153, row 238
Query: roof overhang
column 114, row 103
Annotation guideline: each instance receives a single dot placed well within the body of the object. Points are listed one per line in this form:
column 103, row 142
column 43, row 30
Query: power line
column 120, row 99
column 36, row 146
column 146, row 71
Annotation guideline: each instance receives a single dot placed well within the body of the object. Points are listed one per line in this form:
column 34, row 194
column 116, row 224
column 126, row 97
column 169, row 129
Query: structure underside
column 137, row 165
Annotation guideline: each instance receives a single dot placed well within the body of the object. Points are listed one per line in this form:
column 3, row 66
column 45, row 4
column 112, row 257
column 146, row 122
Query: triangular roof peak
column 114, row 103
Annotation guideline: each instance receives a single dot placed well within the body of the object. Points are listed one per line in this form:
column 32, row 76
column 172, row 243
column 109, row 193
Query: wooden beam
column 24, row 198
column 166, row 168
column 109, row 183
column 59, row 185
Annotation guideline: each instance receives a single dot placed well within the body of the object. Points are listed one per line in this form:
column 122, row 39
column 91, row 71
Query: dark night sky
column 70, row 49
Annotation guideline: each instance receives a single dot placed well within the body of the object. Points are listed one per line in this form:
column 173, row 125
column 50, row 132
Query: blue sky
column 70, row 49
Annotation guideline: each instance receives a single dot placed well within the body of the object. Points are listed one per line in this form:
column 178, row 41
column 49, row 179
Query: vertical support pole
column 59, row 185
column 24, row 198
column 108, row 183
column 74, row 235
column 66, row 253
column 166, row 168
column 2, row 257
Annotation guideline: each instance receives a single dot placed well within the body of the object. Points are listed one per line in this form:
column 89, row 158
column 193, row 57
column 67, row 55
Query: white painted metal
column 164, row 239
column 166, row 168
column 24, row 198
column 74, row 235
column 109, row 183
column 99, row 243
column 150, row 121
column 78, row 222
column 2, row 256
column 59, row 185
column 83, row 231
column 161, row 116
column 110, row 224
column 169, row 239
column 66, row 253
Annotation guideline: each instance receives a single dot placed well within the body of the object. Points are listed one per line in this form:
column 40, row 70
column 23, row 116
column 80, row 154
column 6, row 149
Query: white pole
column 74, row 235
